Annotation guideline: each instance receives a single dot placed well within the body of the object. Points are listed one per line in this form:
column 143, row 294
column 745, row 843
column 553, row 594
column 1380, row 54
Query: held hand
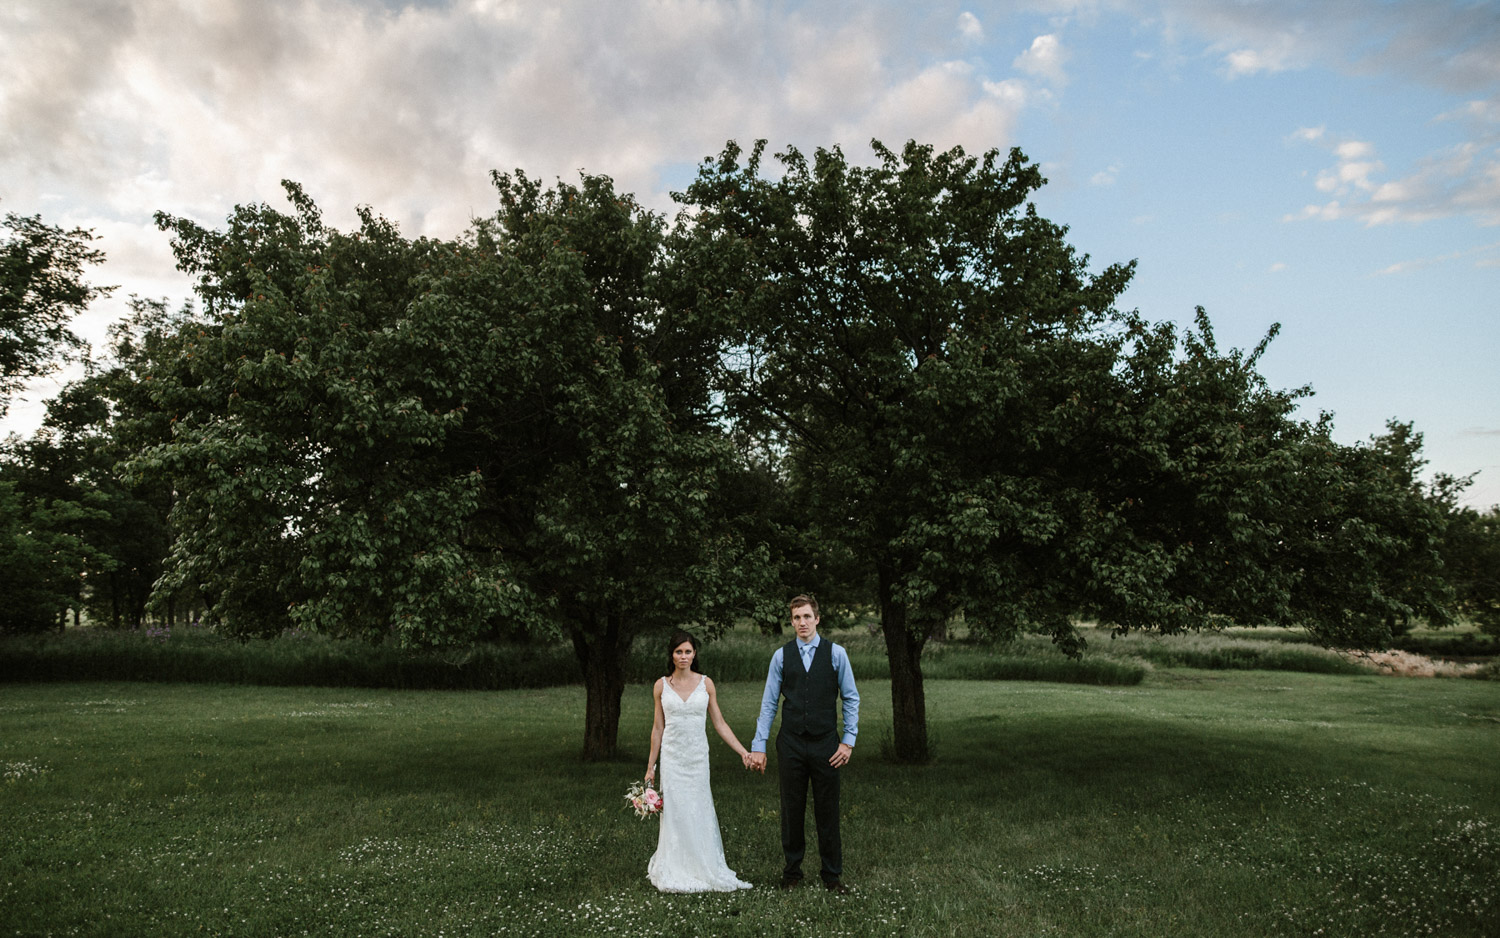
column 756, row 761
column 841, row 757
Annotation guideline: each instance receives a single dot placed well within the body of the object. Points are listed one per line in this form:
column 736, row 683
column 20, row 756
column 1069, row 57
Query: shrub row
column 194, row 656
column 200, row 656
column 1220, row 653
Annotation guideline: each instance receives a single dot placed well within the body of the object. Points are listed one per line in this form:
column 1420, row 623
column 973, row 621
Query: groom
column 812, row 675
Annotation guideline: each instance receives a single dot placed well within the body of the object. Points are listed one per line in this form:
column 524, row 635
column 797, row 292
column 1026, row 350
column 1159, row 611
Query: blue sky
column 1331, row 165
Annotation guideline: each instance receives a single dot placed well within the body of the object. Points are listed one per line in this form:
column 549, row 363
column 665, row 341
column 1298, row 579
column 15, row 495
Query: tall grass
column 1219, row 653
column 197, row 655
column 744, row 655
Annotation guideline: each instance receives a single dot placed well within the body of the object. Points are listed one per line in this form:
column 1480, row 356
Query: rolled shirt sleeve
column 845, row 673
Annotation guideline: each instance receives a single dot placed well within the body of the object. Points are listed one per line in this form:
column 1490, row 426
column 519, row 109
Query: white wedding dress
column 689, row 850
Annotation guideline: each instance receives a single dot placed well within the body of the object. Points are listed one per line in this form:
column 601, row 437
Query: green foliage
column 506, row 434
column 74, row 457
column 894, row 384
column 306, row 420
column 1471, row 558
column 42, row 555
column 1365, row 541
column 965, row 412
column 49, row 518
column 42, row 287
column 923, row 340
column 925, row 345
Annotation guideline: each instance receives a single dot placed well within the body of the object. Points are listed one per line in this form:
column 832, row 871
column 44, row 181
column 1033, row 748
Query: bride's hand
column 650, row 774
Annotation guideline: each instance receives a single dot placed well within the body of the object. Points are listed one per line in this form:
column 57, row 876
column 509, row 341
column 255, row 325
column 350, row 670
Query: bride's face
column 682, row 656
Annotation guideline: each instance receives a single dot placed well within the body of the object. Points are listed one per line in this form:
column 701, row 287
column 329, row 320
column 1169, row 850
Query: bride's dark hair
column 678, row 637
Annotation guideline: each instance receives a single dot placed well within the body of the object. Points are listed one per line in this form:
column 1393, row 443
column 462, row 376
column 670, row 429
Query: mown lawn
column 1198, row 803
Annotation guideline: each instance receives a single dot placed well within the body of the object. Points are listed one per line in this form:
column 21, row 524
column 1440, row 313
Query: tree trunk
column 601, row 653
column 908, row 700
column 114, row 601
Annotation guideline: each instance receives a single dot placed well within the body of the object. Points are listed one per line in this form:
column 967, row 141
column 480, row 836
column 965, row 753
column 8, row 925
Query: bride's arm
column 721, row 726
column 656, row 728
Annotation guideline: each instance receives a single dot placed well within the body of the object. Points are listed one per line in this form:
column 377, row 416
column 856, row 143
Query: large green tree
column 306, row 416
column 42, row 287
column 930, row 347
column 607, row 469
column 507, row 432
column 1365, row 539
column 1471, row 555
column 44, row 518
column 43, row 555
column 964, row 409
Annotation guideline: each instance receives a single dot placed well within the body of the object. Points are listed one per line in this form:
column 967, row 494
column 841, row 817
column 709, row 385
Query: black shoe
column 835, row 886
column 790, row 882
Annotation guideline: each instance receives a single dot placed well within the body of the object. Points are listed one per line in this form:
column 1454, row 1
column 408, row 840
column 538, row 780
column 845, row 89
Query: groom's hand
column 841, row 756
column 756, row 761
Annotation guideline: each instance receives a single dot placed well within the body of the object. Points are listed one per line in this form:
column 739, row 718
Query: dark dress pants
column 801, row 761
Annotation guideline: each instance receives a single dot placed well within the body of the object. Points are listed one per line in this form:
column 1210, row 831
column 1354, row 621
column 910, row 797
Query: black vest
column 811, row 694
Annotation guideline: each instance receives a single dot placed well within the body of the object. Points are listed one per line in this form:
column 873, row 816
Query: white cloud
column 936, row 106
column 1276, row 268
column 113, row 109
column 1462, row 180
column 1481, row 111
column 969, row 26
column 1011, row 91
column 1328, row 211
column 1455, row 46
column 1252, row 61
column 1044, row 59
column 1358, row 174
column 1484, row 255
column 1106, row 177
column 135, row 105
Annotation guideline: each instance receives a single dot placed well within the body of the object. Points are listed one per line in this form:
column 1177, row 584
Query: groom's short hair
column 803, row 599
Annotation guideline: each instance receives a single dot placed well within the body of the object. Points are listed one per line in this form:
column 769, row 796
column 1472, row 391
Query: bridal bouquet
column 644, row 800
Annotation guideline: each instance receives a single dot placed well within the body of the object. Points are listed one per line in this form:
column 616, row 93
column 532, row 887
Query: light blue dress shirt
column 770, row 701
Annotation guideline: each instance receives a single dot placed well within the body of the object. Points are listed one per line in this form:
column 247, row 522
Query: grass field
column 1197, row 803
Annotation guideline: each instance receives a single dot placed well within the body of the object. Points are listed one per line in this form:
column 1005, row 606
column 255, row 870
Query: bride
column 689, row 851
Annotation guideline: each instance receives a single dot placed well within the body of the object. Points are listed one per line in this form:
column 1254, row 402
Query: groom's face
column 805, row 622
